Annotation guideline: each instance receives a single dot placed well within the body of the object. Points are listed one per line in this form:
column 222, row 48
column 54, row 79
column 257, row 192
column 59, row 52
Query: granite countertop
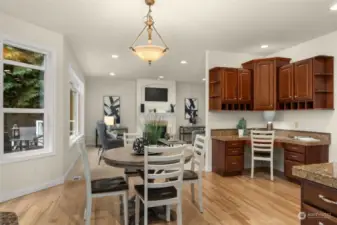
column 280, row 139
column 325, row 173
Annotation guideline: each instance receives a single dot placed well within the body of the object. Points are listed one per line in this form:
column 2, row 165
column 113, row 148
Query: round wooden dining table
column 126, row 158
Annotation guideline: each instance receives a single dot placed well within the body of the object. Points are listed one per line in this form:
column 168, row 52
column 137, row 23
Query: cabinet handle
column 233, row 163
column 295, row 96
column 320, row 223
column 327, row 200
column 294, row 156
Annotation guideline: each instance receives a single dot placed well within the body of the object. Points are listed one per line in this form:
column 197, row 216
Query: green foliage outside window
column 23, row 55
column 23, row 87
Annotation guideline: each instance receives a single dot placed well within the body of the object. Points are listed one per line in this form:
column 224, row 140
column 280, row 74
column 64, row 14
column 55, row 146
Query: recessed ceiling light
column 264, row 46
column 203, row 79
column 183, row 62
column 161, row 77
column 333, row 7
column 115, row 56
column 112, row 74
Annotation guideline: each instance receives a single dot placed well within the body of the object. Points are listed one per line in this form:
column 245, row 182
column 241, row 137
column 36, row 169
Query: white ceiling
column 99, row 28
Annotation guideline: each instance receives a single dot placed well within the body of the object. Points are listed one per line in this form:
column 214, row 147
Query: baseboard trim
column 71, row 167
column 25, row 191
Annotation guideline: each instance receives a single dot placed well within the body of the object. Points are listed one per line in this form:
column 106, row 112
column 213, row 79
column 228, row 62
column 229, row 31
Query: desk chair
column 262, row 144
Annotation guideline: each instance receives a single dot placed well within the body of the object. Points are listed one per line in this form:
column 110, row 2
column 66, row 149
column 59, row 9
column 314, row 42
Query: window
column 75, row 107
column 23, row 99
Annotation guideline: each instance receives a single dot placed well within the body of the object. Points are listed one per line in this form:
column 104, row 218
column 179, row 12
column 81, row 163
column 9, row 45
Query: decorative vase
column 241, row 132
column 138, row 145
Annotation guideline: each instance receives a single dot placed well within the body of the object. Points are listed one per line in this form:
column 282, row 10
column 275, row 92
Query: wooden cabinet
column 295, row 155
column 244, row 85
column 215, row 90
column 264, row 82
column 303, row 78
column 285, row 83
column 319, row 203
column 227, row 157
column 230, row 85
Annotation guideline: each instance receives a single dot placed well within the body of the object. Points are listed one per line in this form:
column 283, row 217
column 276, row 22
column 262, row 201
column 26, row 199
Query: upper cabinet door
column 285, row 83
column 245, row 85
column 230, row 85
column 303, row 80
column 264, row 85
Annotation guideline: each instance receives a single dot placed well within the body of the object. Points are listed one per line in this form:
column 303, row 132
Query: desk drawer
column 317, row 217
column 294, row 156
column 234, row 163
column 294, row 148
column 234, row 144
column 234, row 151
column 320, row 196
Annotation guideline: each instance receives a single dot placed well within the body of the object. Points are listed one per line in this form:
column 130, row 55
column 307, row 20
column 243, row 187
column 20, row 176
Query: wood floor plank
column 236, row 200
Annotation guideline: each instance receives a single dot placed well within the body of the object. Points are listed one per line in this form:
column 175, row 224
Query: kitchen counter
column 324, row 173
column 278, row 139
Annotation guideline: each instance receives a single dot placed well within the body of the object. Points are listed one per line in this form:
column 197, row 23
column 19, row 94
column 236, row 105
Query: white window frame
column 49, row 87
column 76, row 85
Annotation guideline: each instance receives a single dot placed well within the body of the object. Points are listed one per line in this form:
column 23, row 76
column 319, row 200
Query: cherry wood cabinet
column 286, row 83
column 303, row 79
column 230, row 85
column 264, row 82
column 244, row 85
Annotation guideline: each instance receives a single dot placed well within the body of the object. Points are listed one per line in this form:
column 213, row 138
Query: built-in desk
column 228, row 151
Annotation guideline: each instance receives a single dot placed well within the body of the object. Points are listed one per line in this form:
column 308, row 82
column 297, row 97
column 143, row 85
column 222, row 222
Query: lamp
column 109, row 120
column 149, row 52
column 269, row 117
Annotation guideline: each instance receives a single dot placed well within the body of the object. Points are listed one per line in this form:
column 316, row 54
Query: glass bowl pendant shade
column 149, row 52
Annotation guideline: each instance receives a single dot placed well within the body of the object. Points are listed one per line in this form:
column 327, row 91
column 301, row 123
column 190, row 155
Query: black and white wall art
column 112, row 107
column 191, row 108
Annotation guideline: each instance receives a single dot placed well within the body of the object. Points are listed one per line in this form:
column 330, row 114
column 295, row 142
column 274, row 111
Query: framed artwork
column 191, row 108
column 112, row 107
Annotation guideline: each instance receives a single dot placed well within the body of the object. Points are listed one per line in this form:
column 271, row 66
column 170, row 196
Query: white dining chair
column 102, row 187
column 262, row 145
column 163, row 191
column 129, row 138
column 194, row 176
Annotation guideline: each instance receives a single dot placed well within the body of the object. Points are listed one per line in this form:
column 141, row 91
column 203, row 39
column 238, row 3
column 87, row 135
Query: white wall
column 318, row 120
column 20, row 176
column 96, row 88
column 31, row 175
column 190, row 90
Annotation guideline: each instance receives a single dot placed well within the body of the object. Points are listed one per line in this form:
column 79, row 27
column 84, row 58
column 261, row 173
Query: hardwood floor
column 227, row 201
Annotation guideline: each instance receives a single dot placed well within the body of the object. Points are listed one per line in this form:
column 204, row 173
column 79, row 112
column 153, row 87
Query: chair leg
column 192, row 192
column 99, row 149
column 272, row 170
column 200, row 195
column 179, row 214
column 126, row 208
column 146, row 214
column 88, row 211
column 168, row 213
column 252, row 168
column 137, row 210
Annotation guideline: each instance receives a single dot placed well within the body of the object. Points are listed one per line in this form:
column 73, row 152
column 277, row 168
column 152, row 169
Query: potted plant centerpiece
column 241, row 126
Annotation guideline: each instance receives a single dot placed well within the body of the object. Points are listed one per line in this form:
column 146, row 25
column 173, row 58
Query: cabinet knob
column 295, row 96
column 320, row 223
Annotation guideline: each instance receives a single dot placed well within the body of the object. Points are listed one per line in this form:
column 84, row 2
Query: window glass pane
column 23, row 87
column 22, row 55
column 23, row 132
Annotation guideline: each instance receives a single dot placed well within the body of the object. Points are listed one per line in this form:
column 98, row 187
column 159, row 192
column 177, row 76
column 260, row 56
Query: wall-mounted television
column 156, row 94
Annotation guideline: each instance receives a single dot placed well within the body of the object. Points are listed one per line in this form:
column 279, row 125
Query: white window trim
column 77, row 85
column 49, row 68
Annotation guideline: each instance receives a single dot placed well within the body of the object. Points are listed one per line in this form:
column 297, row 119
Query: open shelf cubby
column 236, row 107
column 323, row 68
column 301, row 105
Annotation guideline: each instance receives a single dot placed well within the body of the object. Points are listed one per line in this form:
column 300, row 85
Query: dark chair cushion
column 155, row 194
column 188, row 175
column 108, row 185
column 262, row 154
column 131, row 172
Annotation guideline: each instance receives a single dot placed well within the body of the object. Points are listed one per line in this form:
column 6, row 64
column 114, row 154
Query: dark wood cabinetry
column 230, row 85
column 264, row 82
column 303, row 80
column 245, row 85
column 286, row 83
column 319, row 203
column 295, row 155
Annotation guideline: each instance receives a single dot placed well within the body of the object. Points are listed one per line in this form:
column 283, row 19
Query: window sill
column 25, row 156
column 74, row 139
